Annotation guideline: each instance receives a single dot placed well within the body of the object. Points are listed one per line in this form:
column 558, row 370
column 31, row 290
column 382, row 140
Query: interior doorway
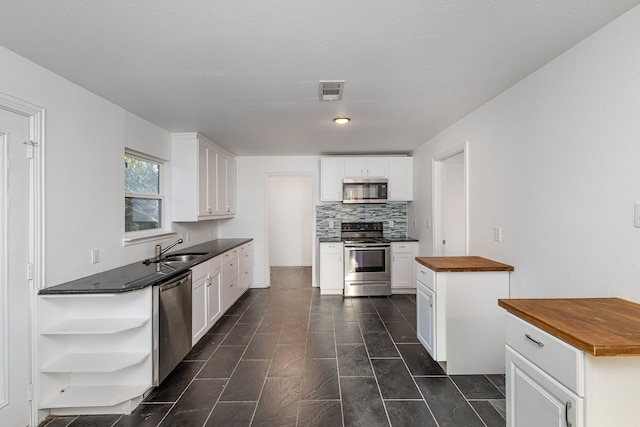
column 291, row 228
column 450, row 190
column 20, row 255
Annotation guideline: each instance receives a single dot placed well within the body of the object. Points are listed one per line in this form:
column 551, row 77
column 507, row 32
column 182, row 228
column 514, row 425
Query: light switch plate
column 497, row 234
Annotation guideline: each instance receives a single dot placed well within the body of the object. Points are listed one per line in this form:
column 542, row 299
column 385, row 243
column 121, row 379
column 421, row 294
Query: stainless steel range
column 367, row 259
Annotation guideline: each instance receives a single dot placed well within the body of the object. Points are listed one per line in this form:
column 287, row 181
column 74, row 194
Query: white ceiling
column 245, row 73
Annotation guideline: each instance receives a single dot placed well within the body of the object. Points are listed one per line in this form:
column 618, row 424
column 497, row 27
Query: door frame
column 314, row 186
column 36, row 116
column 438, row 196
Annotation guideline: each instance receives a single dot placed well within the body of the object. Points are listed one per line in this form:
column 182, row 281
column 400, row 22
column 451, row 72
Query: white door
column 450, row 203
column 15, row 408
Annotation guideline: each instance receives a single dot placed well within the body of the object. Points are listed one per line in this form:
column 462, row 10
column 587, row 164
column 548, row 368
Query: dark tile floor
column 286, row 356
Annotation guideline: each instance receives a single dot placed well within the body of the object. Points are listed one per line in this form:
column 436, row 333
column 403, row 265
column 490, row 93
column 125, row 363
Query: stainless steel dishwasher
column 171, row 325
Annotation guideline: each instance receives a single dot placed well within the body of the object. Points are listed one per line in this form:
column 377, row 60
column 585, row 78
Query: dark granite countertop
column 139, row 275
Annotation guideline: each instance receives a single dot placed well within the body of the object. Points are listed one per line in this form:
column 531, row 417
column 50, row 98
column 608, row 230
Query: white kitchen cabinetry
column 397, row 170
column 206, row 307
column 331, row 176
column 93, row 358
column 366, row 167
column 459, row 321
column 400, row 185
column 551, row 382
column 331, row 268
column 229, row 279
column 403, row 278
column 245, row 267
column 203, row 178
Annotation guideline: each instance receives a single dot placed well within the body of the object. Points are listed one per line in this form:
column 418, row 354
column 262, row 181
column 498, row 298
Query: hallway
column 286, row 356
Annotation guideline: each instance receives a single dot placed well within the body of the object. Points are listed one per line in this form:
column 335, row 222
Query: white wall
column 251, row 206
column 554, row 161
column 290, row 210
column 85, row 138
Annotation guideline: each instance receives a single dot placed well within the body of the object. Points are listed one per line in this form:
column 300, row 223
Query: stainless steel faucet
column 160, row 251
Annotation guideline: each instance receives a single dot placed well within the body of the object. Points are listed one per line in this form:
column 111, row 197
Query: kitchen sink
column 184, row 257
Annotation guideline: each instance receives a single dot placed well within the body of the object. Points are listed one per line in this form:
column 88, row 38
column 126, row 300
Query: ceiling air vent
column 331, row 90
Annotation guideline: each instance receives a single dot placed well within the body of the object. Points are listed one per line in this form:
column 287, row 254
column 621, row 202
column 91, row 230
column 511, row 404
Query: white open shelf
column 95, row 362
column 95, row 396
column 94, row 326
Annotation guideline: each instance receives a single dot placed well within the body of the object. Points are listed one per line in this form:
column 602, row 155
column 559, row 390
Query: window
column 144, row 199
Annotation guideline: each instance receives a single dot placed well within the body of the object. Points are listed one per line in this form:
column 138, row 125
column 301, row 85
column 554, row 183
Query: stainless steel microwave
column 362, row 190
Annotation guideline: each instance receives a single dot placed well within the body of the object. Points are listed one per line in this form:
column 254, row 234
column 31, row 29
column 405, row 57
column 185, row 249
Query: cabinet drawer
column 199, row 270
column 230, row 271
column 560, row 360
column 247, row 247
column 215, row 264
column 245, row 261
column 245, row 279
column 331, row 248
column 426, row 276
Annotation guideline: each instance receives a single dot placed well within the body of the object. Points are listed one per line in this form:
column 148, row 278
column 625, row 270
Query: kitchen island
column 572, row 361
column 459, row 322
column 97, row 338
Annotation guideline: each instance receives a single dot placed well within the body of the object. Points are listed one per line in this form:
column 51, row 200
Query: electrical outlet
column 331, row 225
column 392, row 223
column 497, row 234
column 95, row 256
column 187, row 237
column 415, row 222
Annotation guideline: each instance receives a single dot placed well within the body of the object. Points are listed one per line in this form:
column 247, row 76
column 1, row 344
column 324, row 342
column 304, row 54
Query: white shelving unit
column 94, row 352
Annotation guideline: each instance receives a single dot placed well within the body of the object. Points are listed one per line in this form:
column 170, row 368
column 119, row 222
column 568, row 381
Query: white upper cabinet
column 398, row 170
column 331, row 176
column 400, row 187
column 366, row 167
column 203, row 179
column 226, row 185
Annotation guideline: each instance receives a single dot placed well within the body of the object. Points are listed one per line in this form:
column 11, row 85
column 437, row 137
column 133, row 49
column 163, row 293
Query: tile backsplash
column 339, row 213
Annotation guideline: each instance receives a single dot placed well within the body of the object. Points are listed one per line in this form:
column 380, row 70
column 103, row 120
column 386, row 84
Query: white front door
column 15, row 212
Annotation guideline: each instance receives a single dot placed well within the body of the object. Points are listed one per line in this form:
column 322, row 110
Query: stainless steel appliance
column 171, row 325
column 364, row 190
column 367, row 259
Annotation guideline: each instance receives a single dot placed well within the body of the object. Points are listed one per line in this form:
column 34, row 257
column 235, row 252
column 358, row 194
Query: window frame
column 133, row 237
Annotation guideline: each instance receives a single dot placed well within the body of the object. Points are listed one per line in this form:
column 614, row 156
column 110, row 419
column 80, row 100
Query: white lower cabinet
column 551, row 383
column 206, row 308
column 403, row 278
column 245, row 267
column 229, row 279
column 331, row 268
column 426, row 306
column 94, row 352
column 459, row 321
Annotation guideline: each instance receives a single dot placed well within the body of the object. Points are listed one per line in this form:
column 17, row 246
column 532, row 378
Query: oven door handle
column 374, row 247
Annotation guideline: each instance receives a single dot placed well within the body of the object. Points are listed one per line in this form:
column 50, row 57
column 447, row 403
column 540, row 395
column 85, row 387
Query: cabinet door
column 331, row 268
column 331, row 176
column 402, row 261
column 214, row 308
column 400, row 179
column 426, row 324
column 355, row 167
column 231, row 186
column 376, row 167
column 206, row 179
column 199, row 309
column 535, row 399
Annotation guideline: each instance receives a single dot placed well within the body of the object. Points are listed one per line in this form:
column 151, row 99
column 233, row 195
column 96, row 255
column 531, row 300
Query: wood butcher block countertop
column 598, row 326
column 461, row 264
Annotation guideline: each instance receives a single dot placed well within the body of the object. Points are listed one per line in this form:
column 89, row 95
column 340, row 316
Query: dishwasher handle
column 175, row 282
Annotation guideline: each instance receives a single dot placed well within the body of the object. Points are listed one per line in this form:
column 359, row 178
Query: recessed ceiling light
column 341, row 120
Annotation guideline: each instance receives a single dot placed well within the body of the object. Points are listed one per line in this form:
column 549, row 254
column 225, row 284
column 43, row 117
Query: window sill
column 144, row 237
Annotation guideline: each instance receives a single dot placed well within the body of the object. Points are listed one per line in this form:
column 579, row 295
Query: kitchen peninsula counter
column 139, row 275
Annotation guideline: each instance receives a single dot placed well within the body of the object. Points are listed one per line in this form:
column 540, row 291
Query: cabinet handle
column 530, row 338
column 430, row 301
column 566, row 413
